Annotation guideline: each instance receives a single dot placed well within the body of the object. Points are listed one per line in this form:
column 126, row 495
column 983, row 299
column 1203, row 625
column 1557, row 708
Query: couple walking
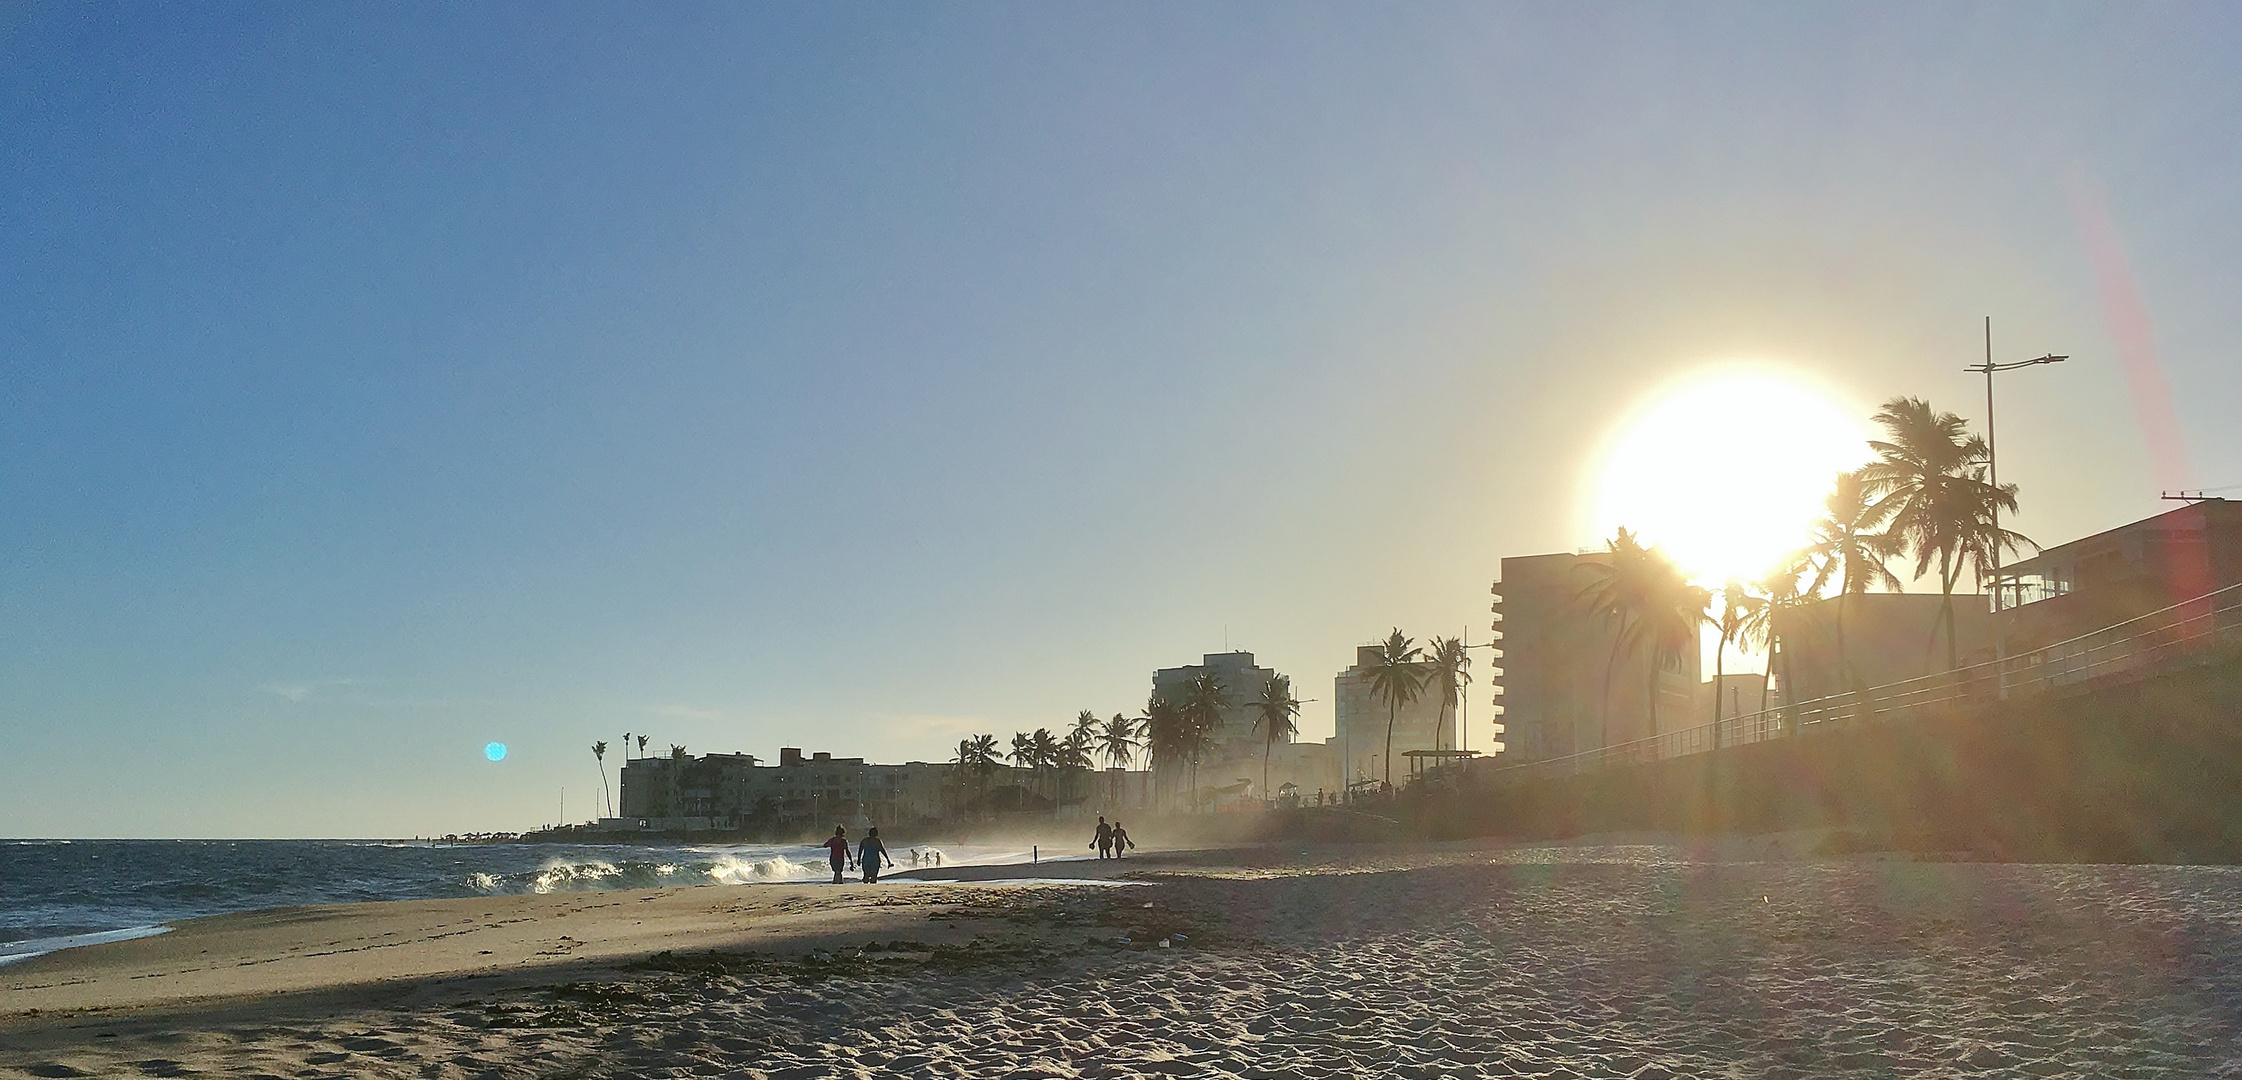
column 1111, row 840
column 871, row 854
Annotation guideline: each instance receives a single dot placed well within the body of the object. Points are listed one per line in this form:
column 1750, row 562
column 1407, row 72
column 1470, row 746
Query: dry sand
column 1587, row 960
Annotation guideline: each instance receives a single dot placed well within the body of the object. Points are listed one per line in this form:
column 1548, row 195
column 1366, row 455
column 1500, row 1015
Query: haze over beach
column 1266, row 539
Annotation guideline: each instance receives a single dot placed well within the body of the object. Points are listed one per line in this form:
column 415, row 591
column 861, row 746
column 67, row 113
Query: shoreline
column 532, row 937
column 1600, row 955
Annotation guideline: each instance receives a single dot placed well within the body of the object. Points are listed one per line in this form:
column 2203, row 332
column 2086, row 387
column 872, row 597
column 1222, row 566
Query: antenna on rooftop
column 2183, row 496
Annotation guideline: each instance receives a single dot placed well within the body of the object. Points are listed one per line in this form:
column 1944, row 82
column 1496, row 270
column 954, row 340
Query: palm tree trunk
column 1720, row 654
column 1946, row 608
column 1603, row 718
column 1267, row 749
column 1392, row 710
column 1844, row 666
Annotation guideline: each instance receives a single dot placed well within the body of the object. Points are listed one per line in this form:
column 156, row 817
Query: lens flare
column 495, row 751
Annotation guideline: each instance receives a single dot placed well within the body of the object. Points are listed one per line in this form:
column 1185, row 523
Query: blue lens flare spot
column 495, row 751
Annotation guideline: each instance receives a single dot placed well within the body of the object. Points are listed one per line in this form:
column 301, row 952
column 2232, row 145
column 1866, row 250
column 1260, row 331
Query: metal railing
column 2137, row 647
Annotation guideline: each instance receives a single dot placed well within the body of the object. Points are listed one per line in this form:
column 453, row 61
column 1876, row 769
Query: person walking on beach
column 872, row 854
column 1121, row 841
column 837, row 845
column 1104, row 841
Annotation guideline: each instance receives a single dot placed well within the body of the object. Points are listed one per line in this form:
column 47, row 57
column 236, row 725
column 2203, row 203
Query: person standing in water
column 1104, row 841
column 837, row 845
column 872, row 855
column 1121, row 841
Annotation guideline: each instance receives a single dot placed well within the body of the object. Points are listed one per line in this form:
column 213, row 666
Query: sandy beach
column 1598, row 959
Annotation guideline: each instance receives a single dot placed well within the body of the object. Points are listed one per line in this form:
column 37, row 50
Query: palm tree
column 1845, row 548
column 1204, row 698
column 676, row 779
column 1397, row 675
column 1276, row 714
column 1652, row 607
column 1447, row 672
column 1166, row 738
column 599, row 754
column 1047, row 760
column 1117, row 744
column 977, row 756
column 626, row 746
column 1072, row 755
column 1778, row 592
column 642, row 746
column 1930, row 473
column 1025, row 755
column 1738, row 608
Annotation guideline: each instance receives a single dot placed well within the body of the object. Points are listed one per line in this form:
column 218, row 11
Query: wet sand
column 1635, row 960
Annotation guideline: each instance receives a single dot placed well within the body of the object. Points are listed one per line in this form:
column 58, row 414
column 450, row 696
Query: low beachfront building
column 728, row 792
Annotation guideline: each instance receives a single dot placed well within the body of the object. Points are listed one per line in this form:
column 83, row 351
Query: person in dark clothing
column 1121, row 841
column 872, row 855
column 1104, row 841
column 837, row 845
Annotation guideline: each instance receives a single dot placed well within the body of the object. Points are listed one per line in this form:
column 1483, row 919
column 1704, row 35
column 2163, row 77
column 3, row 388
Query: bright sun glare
column 1726, row 472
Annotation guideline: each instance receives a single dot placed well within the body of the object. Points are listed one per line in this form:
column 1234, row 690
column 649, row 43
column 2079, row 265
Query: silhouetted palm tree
column 1026, row 755
column 1846, row 548
column 1653, row 610
column 1738, row 608
column 1397, row 674
column 599, row 754
column 1447, row 672
column 1117, row 744
column 1204, row 698
column 1930, row 473
column 1072, row 755
column 676, row 777
column 1276, row 714
column 642, row 746
column 1778, row 592
column 1167, row 740
column 977, row 757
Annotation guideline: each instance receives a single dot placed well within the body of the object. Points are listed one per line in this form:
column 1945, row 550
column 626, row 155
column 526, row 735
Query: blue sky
column 383, row 382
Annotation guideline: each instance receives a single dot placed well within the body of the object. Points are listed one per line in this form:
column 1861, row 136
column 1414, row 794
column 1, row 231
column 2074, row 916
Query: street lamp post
column 1992, row 457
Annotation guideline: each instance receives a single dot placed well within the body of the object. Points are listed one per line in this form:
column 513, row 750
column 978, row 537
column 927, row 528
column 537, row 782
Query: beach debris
column 1163, row 943
column 1179, row 938
column 1123, row 940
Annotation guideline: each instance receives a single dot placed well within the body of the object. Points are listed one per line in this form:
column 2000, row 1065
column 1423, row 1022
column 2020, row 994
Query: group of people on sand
column 871, row 854
column 1111, row 840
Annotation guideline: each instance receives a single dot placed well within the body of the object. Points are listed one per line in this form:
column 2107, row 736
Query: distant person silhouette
column 1121, row 841
column 872, row 855
column 837, row 845
column 1104, row 841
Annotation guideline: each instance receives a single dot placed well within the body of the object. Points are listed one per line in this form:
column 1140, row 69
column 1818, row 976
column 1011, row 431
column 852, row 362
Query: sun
column 1725, row 471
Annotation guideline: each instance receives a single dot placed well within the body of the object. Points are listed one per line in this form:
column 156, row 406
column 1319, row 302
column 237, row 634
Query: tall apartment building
column 1564, row 689
column 1240, row 748
column 1242, row 682
column 1359, row 723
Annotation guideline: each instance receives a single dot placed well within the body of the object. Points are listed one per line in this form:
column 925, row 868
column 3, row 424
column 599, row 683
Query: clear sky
column 380, row 382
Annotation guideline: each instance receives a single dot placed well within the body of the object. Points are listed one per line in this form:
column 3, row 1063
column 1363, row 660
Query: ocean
column 62, row 893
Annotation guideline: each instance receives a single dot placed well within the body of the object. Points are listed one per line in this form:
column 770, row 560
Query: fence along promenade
column 2133, row 649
